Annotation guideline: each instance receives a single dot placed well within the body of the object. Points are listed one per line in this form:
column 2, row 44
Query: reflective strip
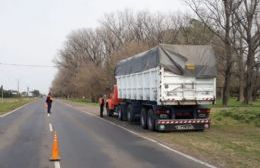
column 192, row 121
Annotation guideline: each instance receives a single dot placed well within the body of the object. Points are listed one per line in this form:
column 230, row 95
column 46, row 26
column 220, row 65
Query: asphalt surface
column 85, row 141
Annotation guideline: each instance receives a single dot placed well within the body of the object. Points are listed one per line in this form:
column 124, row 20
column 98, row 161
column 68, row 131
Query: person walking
column 49, row 103
column 101, row 105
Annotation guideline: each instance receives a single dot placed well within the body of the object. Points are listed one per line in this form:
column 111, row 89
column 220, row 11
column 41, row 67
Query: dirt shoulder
column 228, row 143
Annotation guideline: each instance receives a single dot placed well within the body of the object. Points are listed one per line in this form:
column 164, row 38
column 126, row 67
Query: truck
column 166, row 88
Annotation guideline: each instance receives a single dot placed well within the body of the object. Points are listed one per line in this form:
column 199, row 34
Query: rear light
column 203, row 110
column 183, row 114
column 162, row 111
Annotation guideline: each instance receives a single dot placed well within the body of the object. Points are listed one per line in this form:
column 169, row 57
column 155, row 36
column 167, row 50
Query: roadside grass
column 10, row 104
column 82, row 101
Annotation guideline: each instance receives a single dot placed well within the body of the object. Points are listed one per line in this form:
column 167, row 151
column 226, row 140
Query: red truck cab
column 112, row 101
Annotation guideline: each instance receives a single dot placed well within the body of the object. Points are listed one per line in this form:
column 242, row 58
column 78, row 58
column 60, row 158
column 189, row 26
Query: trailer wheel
column 150, row 120
column 130, row 114
column 110, row 113
column 144, row 118
column 120, row 113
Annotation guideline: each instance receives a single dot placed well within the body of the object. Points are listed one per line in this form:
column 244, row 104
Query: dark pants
column 101, row 110
column 49, row 108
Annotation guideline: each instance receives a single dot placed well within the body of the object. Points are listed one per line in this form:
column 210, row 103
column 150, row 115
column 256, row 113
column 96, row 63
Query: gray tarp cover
column 174, row 59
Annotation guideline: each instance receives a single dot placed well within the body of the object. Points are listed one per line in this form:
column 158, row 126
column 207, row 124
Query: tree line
column 87, row 60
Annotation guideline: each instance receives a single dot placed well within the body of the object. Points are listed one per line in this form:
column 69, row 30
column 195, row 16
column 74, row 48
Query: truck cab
column 112, row 101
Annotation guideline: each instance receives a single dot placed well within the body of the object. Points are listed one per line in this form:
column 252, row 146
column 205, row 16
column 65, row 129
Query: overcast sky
column 32, row 31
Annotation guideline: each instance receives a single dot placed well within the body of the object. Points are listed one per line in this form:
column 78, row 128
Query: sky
column 32, row 32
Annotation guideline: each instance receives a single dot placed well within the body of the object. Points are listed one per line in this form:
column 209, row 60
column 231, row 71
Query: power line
column 29, row 65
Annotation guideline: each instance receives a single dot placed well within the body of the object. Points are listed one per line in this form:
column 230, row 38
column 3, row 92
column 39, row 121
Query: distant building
column 14, row 92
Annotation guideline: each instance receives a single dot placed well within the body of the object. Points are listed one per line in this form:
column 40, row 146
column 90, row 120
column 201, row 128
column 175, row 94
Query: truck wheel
column 120, row 113
column 144, row 118
column 150, row 120
column 130, row 114
column 110, row 113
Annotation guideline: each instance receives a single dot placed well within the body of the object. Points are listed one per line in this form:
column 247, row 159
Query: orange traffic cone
column 55, row 156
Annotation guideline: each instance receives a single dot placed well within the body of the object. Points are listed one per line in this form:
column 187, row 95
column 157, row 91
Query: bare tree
column 217, row 16
column 247, row 18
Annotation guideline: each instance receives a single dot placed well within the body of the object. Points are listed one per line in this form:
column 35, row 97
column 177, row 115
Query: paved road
column 85, row 142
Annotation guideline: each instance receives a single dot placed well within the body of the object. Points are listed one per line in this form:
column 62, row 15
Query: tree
column 217, row 17
column 247, row 17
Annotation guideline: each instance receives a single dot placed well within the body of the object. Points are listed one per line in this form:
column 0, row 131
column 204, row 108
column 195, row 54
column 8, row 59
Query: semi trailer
column 168, row 87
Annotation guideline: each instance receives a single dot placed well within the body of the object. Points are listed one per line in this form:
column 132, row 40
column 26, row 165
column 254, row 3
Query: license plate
column 184, row 127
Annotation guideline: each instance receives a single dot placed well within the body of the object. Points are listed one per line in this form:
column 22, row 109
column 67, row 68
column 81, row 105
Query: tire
column 110, row 113
column 143, row 118
column 120, row 113
column 151, row 120
column 130, row 114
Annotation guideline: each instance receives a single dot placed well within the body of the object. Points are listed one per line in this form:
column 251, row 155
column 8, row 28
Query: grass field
column 83, row 101
column 10, row 104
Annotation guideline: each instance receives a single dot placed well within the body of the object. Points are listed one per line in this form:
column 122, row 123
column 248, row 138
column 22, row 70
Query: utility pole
column 18, row 87
column 2, row 88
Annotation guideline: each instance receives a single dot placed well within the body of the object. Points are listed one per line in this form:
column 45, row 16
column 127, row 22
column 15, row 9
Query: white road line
column 51, row 128
column 57, row 164
column 10, row 112
column 151, row 140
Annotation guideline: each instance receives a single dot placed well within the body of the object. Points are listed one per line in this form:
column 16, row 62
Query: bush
column 242, row 115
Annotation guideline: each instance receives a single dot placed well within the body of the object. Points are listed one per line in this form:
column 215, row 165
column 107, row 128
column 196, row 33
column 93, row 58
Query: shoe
column 48, row 115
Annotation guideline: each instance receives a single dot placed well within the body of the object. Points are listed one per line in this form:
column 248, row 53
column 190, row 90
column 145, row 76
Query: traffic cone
column 55, row 156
